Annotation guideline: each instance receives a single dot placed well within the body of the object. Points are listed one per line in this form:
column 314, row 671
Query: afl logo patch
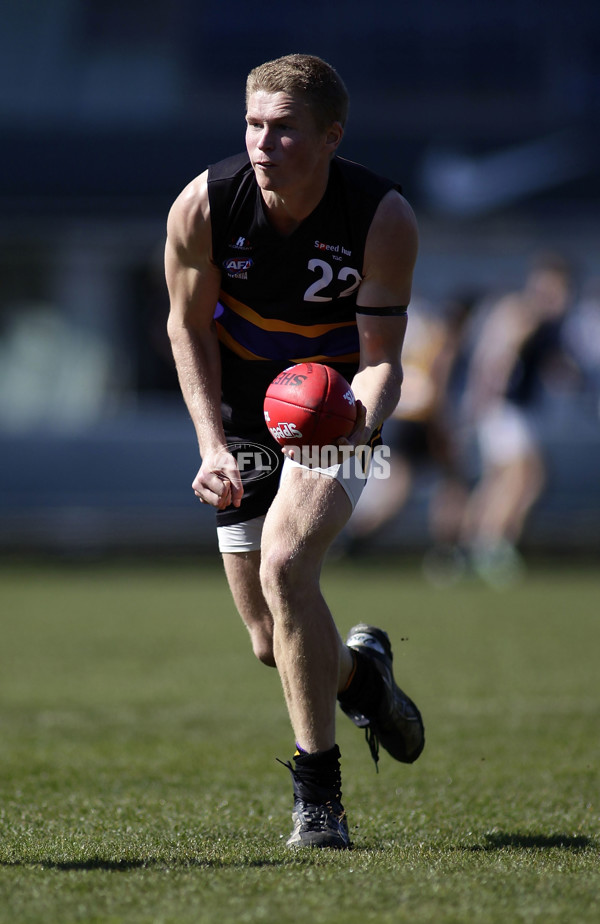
column 235, row 266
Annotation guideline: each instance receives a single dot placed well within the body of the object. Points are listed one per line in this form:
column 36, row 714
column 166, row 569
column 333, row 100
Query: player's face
column 284, row 145
column 550, row 291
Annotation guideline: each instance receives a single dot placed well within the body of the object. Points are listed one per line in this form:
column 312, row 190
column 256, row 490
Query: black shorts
column 259, row 460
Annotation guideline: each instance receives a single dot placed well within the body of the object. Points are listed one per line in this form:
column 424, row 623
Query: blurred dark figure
column 153, row 359
column 422, row 437
column 520, row 346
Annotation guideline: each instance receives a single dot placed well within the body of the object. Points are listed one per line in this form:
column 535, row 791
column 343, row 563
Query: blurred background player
column 423, row 438
column 519, row 347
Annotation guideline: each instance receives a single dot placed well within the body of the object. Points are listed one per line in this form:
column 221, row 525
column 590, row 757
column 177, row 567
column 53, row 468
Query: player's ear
column 334, row 135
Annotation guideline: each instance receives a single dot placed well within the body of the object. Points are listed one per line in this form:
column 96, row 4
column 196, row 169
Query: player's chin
column 266, row 179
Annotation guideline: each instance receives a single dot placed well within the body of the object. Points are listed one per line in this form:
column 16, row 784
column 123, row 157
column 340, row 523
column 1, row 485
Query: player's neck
column 287, row 209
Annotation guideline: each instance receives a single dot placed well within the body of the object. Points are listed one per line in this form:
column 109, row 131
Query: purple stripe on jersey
column 278, row 345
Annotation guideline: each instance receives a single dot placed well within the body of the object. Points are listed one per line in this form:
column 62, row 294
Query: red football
column 309, row 404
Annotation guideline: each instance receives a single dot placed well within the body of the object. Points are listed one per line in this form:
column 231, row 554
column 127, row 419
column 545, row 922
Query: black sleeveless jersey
column 287, row 299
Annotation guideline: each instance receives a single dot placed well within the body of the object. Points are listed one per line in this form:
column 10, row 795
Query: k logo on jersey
column 240, row 243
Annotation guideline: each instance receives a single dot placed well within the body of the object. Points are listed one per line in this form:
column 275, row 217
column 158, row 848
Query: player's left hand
column 360, row 435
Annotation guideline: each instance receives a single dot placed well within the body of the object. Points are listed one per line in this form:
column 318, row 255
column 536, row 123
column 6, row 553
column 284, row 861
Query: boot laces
column 373, row 741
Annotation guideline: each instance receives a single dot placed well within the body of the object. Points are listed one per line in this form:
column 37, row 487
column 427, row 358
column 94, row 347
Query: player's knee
column 265, row 655
column 279, row 572
column 262, row 646
column 272, row 572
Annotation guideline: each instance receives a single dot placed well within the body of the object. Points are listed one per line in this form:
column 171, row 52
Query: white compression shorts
column 505, row 435
column 246, row 536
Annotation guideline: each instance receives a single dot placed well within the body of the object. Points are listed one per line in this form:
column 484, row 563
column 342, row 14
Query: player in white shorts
column 284, row 254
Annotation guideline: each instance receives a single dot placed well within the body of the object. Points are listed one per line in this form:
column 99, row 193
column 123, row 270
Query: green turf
column 138, row 737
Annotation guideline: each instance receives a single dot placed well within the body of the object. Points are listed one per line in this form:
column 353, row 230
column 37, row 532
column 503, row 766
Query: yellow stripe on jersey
column 305, row 330
column 244, row 353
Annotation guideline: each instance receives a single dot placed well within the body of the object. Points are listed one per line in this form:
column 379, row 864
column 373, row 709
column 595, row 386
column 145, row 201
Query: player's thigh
column 308, row 512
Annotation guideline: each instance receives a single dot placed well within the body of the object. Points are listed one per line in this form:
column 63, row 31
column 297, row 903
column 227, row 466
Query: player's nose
column 265, row 139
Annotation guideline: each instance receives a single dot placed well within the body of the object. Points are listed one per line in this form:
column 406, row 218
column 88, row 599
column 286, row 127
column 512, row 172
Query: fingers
column 361, row 416
column 357, row 437
column 217, row 494
column 220, row 486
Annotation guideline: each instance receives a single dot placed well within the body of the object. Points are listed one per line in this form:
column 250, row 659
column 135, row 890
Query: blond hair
column 308, row 77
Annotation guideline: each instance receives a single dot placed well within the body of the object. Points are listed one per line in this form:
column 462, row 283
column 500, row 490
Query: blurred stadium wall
column 487, row 114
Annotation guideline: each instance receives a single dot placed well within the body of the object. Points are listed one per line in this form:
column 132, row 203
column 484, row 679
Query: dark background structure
column 488, row 114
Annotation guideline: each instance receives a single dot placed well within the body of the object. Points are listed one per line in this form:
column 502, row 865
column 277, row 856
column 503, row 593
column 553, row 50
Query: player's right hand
column 218, row 481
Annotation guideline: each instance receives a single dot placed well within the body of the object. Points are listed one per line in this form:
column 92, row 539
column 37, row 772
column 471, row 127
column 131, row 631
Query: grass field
column 138, row 780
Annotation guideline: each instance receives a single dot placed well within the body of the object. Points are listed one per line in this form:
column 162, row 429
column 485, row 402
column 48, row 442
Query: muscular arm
column 390, row 255
column 194, row 282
